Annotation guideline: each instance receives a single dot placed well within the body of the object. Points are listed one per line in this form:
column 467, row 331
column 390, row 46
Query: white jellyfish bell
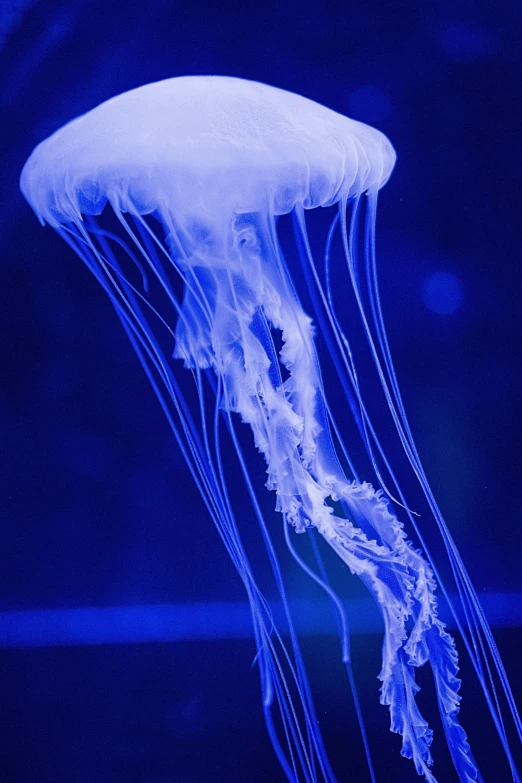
column 196, row 170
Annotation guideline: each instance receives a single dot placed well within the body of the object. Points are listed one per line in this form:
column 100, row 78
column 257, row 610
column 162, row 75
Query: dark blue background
column 97, row 507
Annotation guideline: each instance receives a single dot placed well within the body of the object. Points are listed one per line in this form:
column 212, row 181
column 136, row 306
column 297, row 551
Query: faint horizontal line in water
column 199, row 621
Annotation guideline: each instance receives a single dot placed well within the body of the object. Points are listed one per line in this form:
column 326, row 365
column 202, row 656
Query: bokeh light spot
column 462, row 43
column 442, row 293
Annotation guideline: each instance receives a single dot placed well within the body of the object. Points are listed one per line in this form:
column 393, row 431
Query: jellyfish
column 172, row 195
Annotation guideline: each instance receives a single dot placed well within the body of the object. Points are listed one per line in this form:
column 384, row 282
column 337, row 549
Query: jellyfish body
column 197, row 171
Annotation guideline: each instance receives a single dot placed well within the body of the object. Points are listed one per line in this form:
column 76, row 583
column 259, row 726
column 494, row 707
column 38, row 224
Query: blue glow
column 442, row 293
column 203, row 621
column 463, row 43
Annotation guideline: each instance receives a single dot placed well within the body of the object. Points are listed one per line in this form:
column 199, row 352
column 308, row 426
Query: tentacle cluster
column 237, row 292
column 285, row 429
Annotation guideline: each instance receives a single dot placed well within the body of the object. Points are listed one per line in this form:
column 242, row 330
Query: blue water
column 156, row 682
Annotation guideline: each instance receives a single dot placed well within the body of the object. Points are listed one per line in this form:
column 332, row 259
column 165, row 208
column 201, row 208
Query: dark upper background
column 95, row 499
